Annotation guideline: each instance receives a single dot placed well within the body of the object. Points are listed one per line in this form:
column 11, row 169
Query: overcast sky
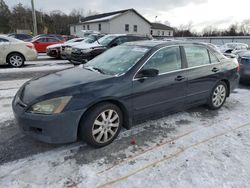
column 202, row 13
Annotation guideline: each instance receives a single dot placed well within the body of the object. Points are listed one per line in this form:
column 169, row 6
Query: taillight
column 30, row 45
column 238, row 67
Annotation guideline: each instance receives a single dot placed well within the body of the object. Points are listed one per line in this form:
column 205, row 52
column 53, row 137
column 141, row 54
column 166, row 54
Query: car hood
column 55, row 83
column 55, row 46
column 87, row 45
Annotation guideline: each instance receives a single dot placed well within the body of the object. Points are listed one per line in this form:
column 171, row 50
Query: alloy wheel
column 16, row 61
column 105, row 126
column 219, row 96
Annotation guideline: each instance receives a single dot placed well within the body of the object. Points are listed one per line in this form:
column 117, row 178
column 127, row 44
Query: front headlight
column 85, row 51
column 52, row 106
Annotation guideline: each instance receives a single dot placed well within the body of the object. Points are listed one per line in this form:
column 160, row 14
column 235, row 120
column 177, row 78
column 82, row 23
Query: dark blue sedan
column 244, row 60
column 125, row 85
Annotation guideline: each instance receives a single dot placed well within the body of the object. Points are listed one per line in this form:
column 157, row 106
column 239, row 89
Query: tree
column 4, row 17
column 245, row 27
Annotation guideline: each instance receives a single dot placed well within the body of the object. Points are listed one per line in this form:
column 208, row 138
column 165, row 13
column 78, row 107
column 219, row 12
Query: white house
column 161, row 30
column 127, row 21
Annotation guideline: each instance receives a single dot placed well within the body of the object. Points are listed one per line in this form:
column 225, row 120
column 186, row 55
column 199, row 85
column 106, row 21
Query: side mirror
column 147, row 73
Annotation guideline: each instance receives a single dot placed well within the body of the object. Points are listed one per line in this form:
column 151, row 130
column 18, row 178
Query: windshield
column 118, row 60
column 104, row 41
column 90, row 39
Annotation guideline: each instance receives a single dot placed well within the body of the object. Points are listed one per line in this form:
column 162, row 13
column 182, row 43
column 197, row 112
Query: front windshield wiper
column 95, row 69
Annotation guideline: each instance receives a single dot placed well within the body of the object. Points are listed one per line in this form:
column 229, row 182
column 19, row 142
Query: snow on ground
column 197, row 149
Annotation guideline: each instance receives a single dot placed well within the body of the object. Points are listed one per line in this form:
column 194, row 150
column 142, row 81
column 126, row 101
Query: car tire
column 101, row 125
column 218, row 96
column 15, row 60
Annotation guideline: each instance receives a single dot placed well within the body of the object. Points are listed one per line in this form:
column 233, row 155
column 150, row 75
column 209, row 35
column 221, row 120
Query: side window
column 3, row 40
column 52, row 40
column 165, row 60
column 42, row 40
column 213, row 58
column 196, row 56
column 121, row 40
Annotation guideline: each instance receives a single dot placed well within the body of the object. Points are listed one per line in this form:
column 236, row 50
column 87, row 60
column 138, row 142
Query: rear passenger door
column 202, row 72
column 4, row 46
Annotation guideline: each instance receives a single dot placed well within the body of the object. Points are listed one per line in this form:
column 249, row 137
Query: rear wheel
column 15, row 60
column 218, row 96
column 101, row 125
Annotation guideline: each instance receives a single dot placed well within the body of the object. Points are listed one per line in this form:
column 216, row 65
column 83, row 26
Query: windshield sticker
column 137, row 49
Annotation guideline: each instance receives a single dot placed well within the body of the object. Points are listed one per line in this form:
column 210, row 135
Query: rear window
column 197, row 56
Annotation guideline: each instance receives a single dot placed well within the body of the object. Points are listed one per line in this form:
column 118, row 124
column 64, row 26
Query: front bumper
column 53, row 52
column 53, row 129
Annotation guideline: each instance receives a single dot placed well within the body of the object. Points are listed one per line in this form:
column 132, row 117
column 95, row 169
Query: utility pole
column 34, row 18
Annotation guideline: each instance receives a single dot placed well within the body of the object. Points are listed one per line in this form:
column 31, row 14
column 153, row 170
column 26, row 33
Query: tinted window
column 52, row 40
column 3, row 40
column 213, row 58
column 42, row 40
column 121, row 40
column 165, row 60
column 197, row 56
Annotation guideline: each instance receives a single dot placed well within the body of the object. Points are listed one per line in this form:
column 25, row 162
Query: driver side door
column 165, row 92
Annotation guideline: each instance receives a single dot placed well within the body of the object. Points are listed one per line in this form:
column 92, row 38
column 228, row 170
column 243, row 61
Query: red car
column 41, row 43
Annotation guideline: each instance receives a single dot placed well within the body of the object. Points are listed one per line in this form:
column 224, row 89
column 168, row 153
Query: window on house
column 159, row 33
column 169, row 33
column 100, row 27
column 74, row 29
column 151, row 32
column 162, row 33
column 87, row 27
column 127, row 27
column 135, row 28
column 84, row 27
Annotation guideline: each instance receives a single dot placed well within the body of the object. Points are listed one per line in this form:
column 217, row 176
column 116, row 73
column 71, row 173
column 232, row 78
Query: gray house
column 127, row 21
column 161, row 30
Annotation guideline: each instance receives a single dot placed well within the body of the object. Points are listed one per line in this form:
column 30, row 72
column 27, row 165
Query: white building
column 120, row 22
column 161, row 30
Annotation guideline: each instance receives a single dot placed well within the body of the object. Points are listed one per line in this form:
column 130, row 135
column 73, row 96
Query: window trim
column 184, row 62
column 208, row 50
column 169, row 72
column 126, row 27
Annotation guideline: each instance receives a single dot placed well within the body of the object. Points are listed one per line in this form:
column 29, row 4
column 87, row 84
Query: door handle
column 215, row 69
column 179, row 78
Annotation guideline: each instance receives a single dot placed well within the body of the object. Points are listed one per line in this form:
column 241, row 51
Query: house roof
column 161, row 26
column 108, row 16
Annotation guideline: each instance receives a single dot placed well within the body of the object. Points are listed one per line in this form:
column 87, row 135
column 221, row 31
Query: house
column 127, row 21
column 161, row 30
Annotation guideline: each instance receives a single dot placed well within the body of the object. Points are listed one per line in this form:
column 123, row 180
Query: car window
column 121, row 40
column 196, row 56
column 3, row 40
column 42, row 40
column 52, row 40
column 165, row 60
column 213, row 58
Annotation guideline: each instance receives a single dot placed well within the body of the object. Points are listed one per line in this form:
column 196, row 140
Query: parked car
column 67, row 48
column 125, row 85
column 229, row 47
column 15, row 52
column 244, row 61
column 83, row 53
column 21, row 36
column 41, row 43
column 55, row 49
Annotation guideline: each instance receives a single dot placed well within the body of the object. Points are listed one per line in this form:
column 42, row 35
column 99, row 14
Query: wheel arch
column 126, row 117
column 228, row 86
column 15, row 52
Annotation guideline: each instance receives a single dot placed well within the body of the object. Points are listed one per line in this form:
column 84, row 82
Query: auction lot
column 194, row 148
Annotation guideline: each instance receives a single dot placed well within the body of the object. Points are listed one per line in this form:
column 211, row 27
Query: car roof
column 156, row 43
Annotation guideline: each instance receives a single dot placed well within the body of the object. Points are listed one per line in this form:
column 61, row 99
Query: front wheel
column 218, row 96
column 101, row 125
column 15, row 60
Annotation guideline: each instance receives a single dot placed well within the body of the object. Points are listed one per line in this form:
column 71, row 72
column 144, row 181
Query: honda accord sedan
column 125, row 85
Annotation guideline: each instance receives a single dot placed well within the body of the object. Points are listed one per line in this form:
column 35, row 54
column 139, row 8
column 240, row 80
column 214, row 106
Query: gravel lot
column 195, row 148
